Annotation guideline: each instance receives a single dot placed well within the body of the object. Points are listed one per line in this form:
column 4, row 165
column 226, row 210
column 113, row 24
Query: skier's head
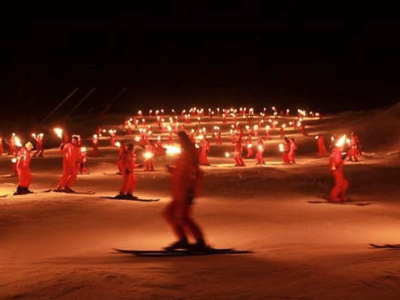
column 29, row 146
column 75, row 139
column 186, row 143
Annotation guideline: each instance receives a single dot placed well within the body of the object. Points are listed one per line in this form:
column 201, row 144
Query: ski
column 112, row 174
column 340, row 203
column 76, row 192
column 34, row 193
column 180, row 253
column 386, row 246
column 131, row 199
column 9, row 176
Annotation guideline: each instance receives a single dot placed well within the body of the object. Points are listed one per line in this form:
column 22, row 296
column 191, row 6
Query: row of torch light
column 187, row 114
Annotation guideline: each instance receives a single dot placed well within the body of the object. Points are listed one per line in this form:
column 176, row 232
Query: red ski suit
column 186, row 184
column 321, row 146
column 128, row 167
column 1, row 146
column 205, row 148
column 149, row 161
column 354, row 151
column 336, row 163
column 260, row 151
column 70, row 153
column 238, row 154
column 39, row 146
column 24, row 173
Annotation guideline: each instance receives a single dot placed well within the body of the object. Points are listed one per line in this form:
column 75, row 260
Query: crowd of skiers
column 187, row 177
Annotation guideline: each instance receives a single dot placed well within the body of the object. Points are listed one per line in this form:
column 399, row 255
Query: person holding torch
column 24, row 172
column 70, row 153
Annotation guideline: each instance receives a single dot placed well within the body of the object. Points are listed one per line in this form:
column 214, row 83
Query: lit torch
column 58, row 132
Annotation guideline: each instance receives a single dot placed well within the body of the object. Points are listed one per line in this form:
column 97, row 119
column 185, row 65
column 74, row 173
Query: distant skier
column 187, row 179
column 24, row 172
column 129, row 180
column 336, row 165
column 321, row 145
column 70, row 153
column 39, row 145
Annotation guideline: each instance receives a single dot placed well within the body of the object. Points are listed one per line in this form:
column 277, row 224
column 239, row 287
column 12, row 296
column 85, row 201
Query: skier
column 321, row 145
column 1, row 146
column 238, row 154
column 149, row 155
column 292, row 151
column 204, row 150
column 336, row 163
column 95, row 145
column 129, row 180
column 39, row 145
column 285, row 151
column 24, row 172
column 354, row 150
column 82, row 161
column 122, row 149
column 70, row 153
column 260, row 151
column 187, row 178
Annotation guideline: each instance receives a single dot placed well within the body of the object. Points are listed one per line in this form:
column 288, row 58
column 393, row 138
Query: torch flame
column 58, row 132
column 172, row 150
column 341, row 141
column 148, row 155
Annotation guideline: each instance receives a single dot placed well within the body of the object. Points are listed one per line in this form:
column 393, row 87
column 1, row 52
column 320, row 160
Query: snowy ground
column 57, row 246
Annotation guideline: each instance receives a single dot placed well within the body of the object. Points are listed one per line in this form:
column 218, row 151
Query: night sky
column 286, row 55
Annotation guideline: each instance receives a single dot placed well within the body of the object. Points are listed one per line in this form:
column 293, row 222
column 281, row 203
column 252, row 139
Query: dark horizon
column 327, row 66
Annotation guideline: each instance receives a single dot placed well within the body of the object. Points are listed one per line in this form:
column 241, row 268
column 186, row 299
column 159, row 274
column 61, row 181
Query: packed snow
column 60, row 246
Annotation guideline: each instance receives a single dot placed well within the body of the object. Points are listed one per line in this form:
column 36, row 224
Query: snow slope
column 57, row 246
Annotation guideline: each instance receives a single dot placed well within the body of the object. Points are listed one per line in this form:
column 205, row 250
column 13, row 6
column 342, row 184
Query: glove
column 127, row 171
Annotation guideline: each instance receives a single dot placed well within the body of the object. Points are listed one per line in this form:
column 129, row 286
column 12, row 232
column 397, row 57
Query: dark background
column 323, row 57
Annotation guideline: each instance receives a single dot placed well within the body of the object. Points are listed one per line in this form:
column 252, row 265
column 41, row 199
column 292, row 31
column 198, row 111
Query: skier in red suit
column 82, row 161
column 70, row 153
column 186, row 183
column 204, row 150
column 150, row 152
column 122, row 148
column 39, row 145
column 285, row 152
column 260, row 151
column 321, row 146
column 336, row 165
column 1, row 146
column 129, row 180
column 238, row 154
column 95, row 145
column 292, row 151
column 355, row 148
column 218, row 139
column 24, row 172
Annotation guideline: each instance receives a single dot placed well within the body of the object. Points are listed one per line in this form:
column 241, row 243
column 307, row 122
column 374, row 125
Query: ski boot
column 182, row 244
column 19, row 191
